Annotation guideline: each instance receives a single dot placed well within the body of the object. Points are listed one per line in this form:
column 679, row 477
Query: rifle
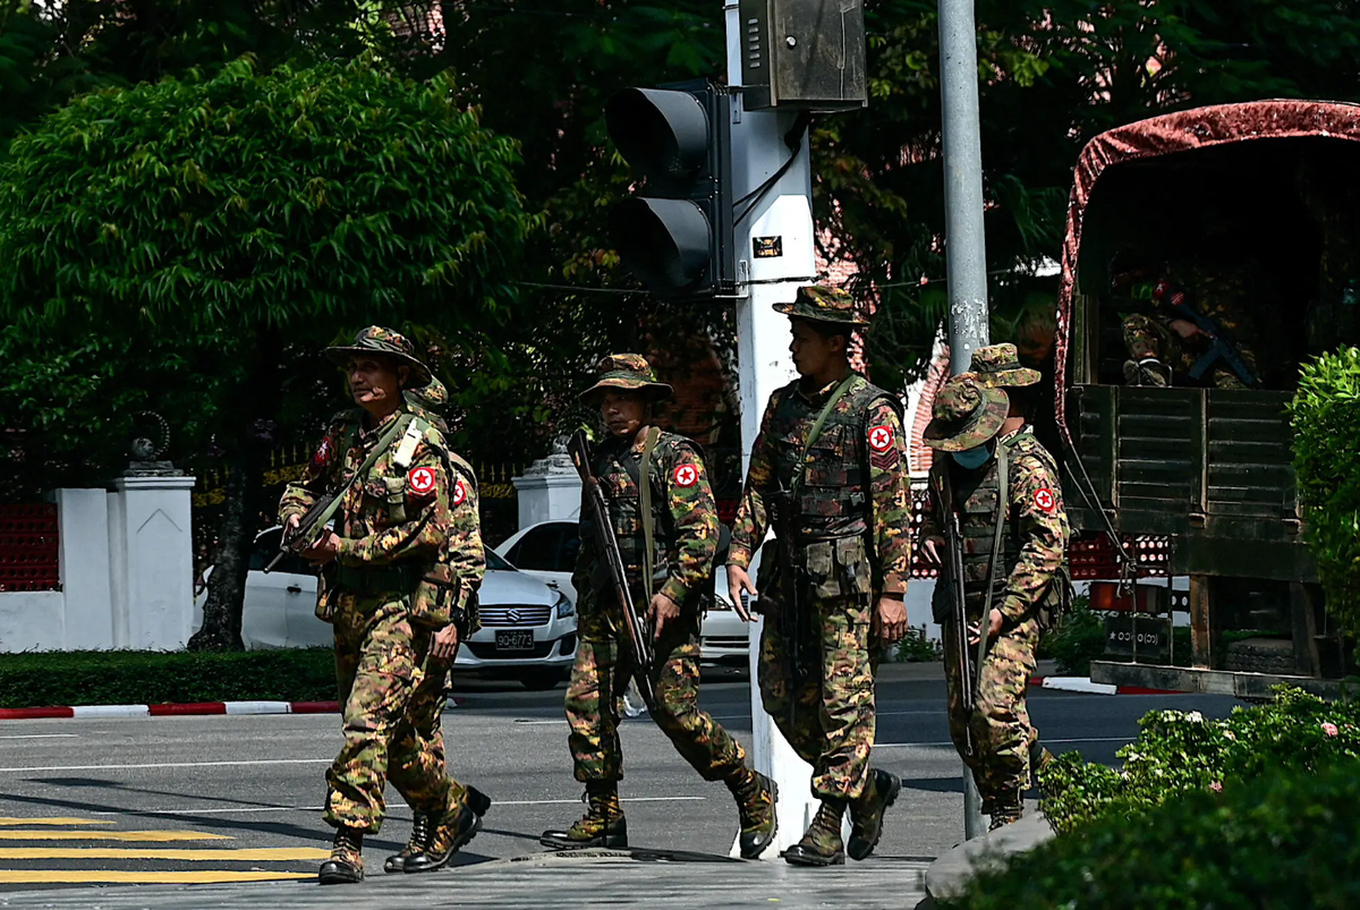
column 310, row 529
column 792, row 583
column 1221, row 345
column 944, row 495
column 639, row 633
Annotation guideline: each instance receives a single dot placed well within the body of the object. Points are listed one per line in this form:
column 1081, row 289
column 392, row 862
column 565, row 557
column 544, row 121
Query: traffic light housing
column 675, row 233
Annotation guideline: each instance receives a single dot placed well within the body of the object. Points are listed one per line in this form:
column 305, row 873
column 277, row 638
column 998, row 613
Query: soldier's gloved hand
column 445, row 643
column 889, row 622
column 932, row 548
column 325, row 550
column 737, row 581
column 993, row 628
column 662, row 611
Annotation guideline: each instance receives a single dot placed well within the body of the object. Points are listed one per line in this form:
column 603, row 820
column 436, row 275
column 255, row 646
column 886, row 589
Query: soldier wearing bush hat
column 639, row 464
column 398, row 575
column 828, row 474
column 1015, row 574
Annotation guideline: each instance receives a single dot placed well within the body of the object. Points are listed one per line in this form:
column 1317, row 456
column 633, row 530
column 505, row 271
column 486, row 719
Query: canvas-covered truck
column 1243, row 222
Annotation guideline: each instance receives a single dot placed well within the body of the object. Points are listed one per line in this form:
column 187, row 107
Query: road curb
column 1084, row 685
column 173, row 710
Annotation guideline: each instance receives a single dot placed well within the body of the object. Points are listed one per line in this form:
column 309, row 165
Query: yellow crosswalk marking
column 157, row 836
column 244, row 854
column 8, row 822
column 96, row 877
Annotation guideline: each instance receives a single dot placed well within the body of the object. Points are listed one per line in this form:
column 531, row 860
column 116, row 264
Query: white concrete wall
column 126, row 566
column 548, row 497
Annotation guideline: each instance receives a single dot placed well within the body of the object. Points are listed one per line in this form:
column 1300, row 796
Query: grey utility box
column 803, row 54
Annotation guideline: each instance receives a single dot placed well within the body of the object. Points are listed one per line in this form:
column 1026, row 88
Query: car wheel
column 542, row 680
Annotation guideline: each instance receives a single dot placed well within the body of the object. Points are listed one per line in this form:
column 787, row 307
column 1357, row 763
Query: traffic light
column 675, row 234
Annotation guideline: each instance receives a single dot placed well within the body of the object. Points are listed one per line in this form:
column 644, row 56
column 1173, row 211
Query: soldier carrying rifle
column 996, row 504
column 828, row 474
column 662, row 533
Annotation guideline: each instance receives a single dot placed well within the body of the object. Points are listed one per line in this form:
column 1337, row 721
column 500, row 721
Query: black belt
column 390, row 579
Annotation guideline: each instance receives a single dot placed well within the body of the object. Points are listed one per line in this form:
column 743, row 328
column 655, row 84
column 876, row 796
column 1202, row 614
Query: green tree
column 250, row 216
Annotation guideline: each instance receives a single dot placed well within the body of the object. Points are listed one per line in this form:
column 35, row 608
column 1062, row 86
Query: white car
column 547, row 550
column 528, row 627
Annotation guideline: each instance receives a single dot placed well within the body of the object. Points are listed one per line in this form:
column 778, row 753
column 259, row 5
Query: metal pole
column 965, row 243
column 764, row 364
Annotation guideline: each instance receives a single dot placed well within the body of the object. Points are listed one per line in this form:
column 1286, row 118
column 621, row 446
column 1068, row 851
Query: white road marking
column 391, row 806
column 173, row 764
column 40, row 736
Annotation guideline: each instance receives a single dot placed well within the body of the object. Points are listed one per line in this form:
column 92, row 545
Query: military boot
column 756, row 796
column 866, row 813
column 603, row 825
column 1005, row 809
column 423, row 827
column 458, row 826
column 1039, row 759
column 346, row 864
column 821, row 844
column 1147, row 372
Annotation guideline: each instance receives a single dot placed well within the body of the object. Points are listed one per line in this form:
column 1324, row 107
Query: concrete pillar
column 83, row 517
column 151, row 561
column 550, row 490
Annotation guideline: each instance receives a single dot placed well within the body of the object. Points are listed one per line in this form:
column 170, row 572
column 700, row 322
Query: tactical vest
column 834, row 501
column 977, row 496
column 625, row 507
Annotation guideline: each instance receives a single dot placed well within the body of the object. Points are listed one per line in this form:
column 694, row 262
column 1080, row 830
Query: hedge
column 38, row 679
column 1289, row 840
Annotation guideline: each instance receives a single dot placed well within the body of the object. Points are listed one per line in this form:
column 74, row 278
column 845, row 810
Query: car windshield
column 495, row 561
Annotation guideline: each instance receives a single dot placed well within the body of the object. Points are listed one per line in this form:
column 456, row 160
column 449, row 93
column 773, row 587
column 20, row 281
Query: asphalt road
column 236, row 798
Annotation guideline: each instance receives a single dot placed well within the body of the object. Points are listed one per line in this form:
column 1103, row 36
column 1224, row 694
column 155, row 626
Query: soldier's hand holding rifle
column 993, row 628
column 325, row 549
column 932, row 548
column 738, row 581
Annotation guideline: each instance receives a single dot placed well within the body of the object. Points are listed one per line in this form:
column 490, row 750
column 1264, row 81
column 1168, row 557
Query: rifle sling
column 1002, row 501
column 384, row 443
column 644, row 482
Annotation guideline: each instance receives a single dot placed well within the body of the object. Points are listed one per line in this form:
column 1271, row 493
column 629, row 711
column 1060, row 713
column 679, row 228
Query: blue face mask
column 973, row 458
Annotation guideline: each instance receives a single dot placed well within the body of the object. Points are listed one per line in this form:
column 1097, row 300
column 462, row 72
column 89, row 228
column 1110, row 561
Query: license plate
column 515, row 640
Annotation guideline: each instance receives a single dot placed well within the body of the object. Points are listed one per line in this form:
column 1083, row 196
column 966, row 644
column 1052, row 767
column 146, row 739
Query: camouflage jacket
column 888, row 504
column 685, row 532
column 415, row 515
column 1034, row 543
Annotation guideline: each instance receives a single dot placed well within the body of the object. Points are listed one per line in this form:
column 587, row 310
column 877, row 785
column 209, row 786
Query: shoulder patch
column 685, row 475
column 460, row 493
column 881, row 437
column 1045, row 501
column 422, row 481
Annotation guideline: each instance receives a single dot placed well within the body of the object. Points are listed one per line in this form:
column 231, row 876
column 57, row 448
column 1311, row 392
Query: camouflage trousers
column 1145, row 337
column 599, row 679
column 1000, row 725
column 391, row 716
column 827, row 713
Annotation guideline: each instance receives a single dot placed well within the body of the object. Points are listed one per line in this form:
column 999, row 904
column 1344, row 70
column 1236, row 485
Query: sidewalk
column 618, row 878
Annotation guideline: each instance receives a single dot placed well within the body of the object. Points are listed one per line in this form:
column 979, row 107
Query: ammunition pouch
column 1055, row 603
column 326, row 593
column 437, row 600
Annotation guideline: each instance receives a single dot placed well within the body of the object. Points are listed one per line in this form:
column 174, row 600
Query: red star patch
column 421, row 481
column 459, row 493
column 323, row 453
column 881, row 438
column 1045, row 501
column 687, row 475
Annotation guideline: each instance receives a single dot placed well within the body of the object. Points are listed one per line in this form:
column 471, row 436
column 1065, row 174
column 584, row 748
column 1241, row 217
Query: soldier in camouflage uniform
column 685, row 522
column 842, row 554
column 972, row 421
column 398, row 579
column 1163, row 346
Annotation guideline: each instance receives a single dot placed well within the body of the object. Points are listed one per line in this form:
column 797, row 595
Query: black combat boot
column 603, row 825
column 1149, row 372
column 346, row 864
column 1039, row 759
column 821, row 844
column 756, row 796
column 1005, row 809
column 458, row 826
column 866, row 813
column 423, row 828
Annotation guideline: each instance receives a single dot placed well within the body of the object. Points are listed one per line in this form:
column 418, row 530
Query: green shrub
column 1290, row 840
column 1079, row 640
column 38, row 679
column 1325, row 414
column 916, row 647
column 1178, row 753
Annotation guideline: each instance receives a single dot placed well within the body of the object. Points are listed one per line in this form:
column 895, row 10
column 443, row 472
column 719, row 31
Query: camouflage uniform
column 414, row 508
column 685, row 523
column 1032, row 575
column 849, row 526
column 1149, row 336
